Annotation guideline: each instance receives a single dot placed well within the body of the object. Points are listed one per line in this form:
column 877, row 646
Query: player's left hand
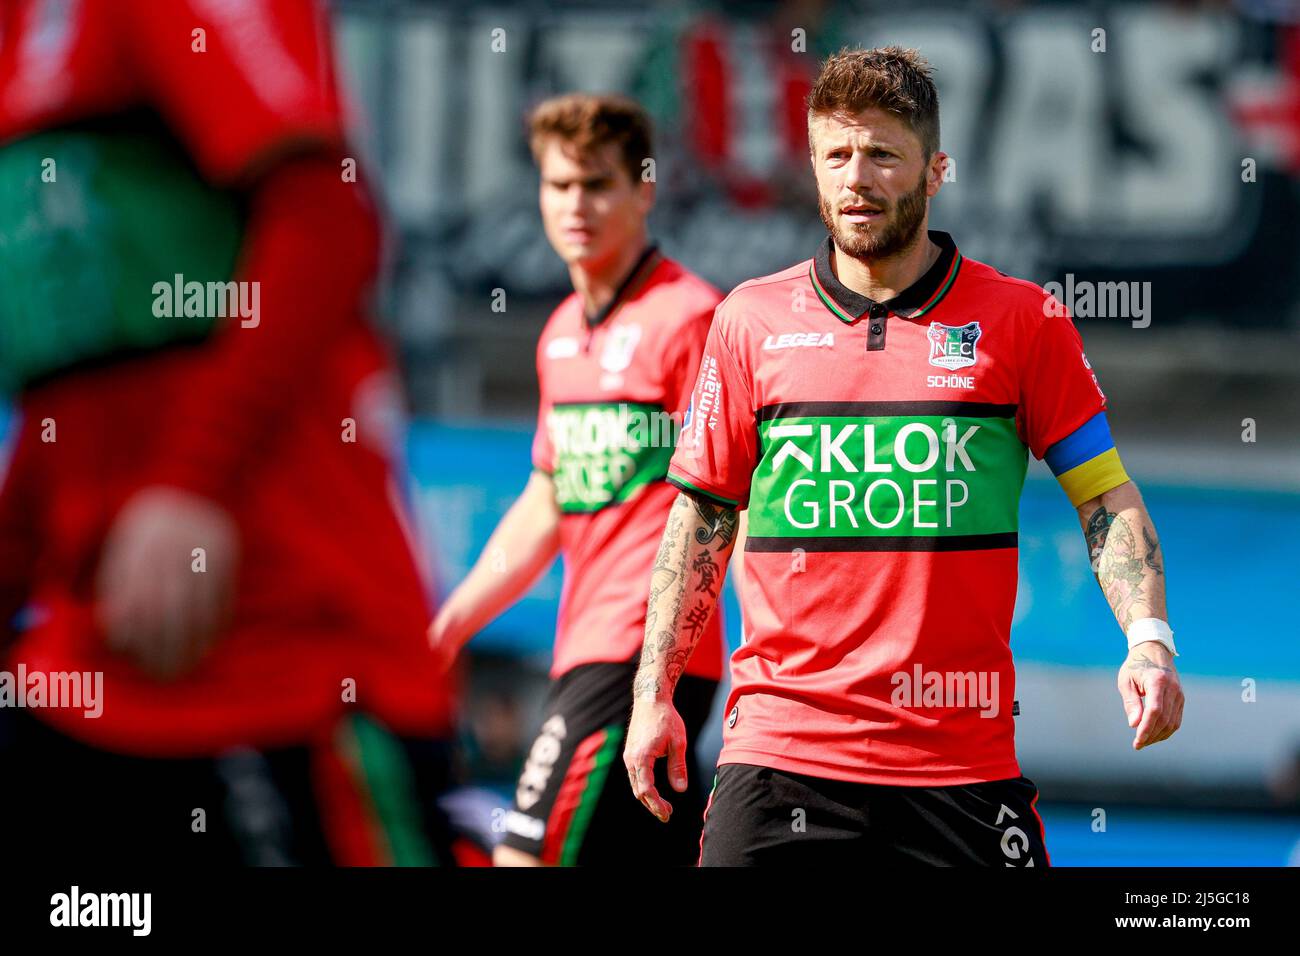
column 154, row 604
column 1152, row 692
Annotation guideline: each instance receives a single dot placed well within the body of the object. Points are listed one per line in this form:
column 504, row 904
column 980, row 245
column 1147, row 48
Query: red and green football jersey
column 613, row 393
column 150, row 141
column 880, row 449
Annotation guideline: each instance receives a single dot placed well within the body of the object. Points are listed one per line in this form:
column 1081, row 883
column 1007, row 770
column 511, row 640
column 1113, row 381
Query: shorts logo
column 731, row 717
column 530, row 828
column 1015, row 841
column 953, row 346
column 541, row 762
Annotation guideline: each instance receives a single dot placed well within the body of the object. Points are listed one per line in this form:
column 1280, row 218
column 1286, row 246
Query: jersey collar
column 913, row 302
column 642, row 268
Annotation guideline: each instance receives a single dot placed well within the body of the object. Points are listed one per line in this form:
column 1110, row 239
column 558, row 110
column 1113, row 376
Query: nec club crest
column 619, row 347
column 953, row 346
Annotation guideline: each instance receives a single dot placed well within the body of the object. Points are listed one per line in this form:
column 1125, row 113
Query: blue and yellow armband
column 1085, row 462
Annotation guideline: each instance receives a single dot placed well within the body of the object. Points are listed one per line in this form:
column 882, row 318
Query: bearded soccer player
column 878, row 434
column 616, row 363
column 199, row 512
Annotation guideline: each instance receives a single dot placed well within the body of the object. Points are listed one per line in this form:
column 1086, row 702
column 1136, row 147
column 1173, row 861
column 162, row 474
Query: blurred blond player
column 615, row 363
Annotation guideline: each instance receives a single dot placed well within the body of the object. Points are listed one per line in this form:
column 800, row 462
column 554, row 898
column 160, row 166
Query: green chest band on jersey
column 93, row 220
column 606, row 452
column 886, row 476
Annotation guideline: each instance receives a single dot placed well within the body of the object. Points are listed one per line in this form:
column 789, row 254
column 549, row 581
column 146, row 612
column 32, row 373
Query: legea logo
column 788, row 340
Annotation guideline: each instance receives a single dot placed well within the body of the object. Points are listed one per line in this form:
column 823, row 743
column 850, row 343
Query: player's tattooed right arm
column 684, row 588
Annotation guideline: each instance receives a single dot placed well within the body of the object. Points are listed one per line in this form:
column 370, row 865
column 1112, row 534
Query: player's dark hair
column 589, row 122
column 887, row 78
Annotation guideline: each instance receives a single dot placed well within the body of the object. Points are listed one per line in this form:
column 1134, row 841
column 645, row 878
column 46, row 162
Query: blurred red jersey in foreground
column 287, row 424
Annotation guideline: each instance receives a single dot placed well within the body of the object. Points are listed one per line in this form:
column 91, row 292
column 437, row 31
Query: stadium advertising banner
column 1117, row 159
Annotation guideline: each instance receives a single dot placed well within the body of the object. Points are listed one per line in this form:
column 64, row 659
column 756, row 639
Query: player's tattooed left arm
column 1124, row 553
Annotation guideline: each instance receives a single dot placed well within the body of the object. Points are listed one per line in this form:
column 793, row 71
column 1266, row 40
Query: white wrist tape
column 1151, row 629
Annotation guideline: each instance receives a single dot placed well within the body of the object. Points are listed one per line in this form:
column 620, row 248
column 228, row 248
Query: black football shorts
column 573, row 803
column 759, row 816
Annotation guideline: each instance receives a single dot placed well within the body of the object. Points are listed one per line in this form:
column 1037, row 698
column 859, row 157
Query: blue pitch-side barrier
column 1145, row 836
column 1229, row 556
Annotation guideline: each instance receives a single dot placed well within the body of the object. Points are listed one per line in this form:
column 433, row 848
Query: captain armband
column 1085, row 462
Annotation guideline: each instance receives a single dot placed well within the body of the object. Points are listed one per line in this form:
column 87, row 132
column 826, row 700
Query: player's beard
column 900, row 230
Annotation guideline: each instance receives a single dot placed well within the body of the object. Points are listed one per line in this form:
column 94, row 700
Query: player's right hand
column 656, row 730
